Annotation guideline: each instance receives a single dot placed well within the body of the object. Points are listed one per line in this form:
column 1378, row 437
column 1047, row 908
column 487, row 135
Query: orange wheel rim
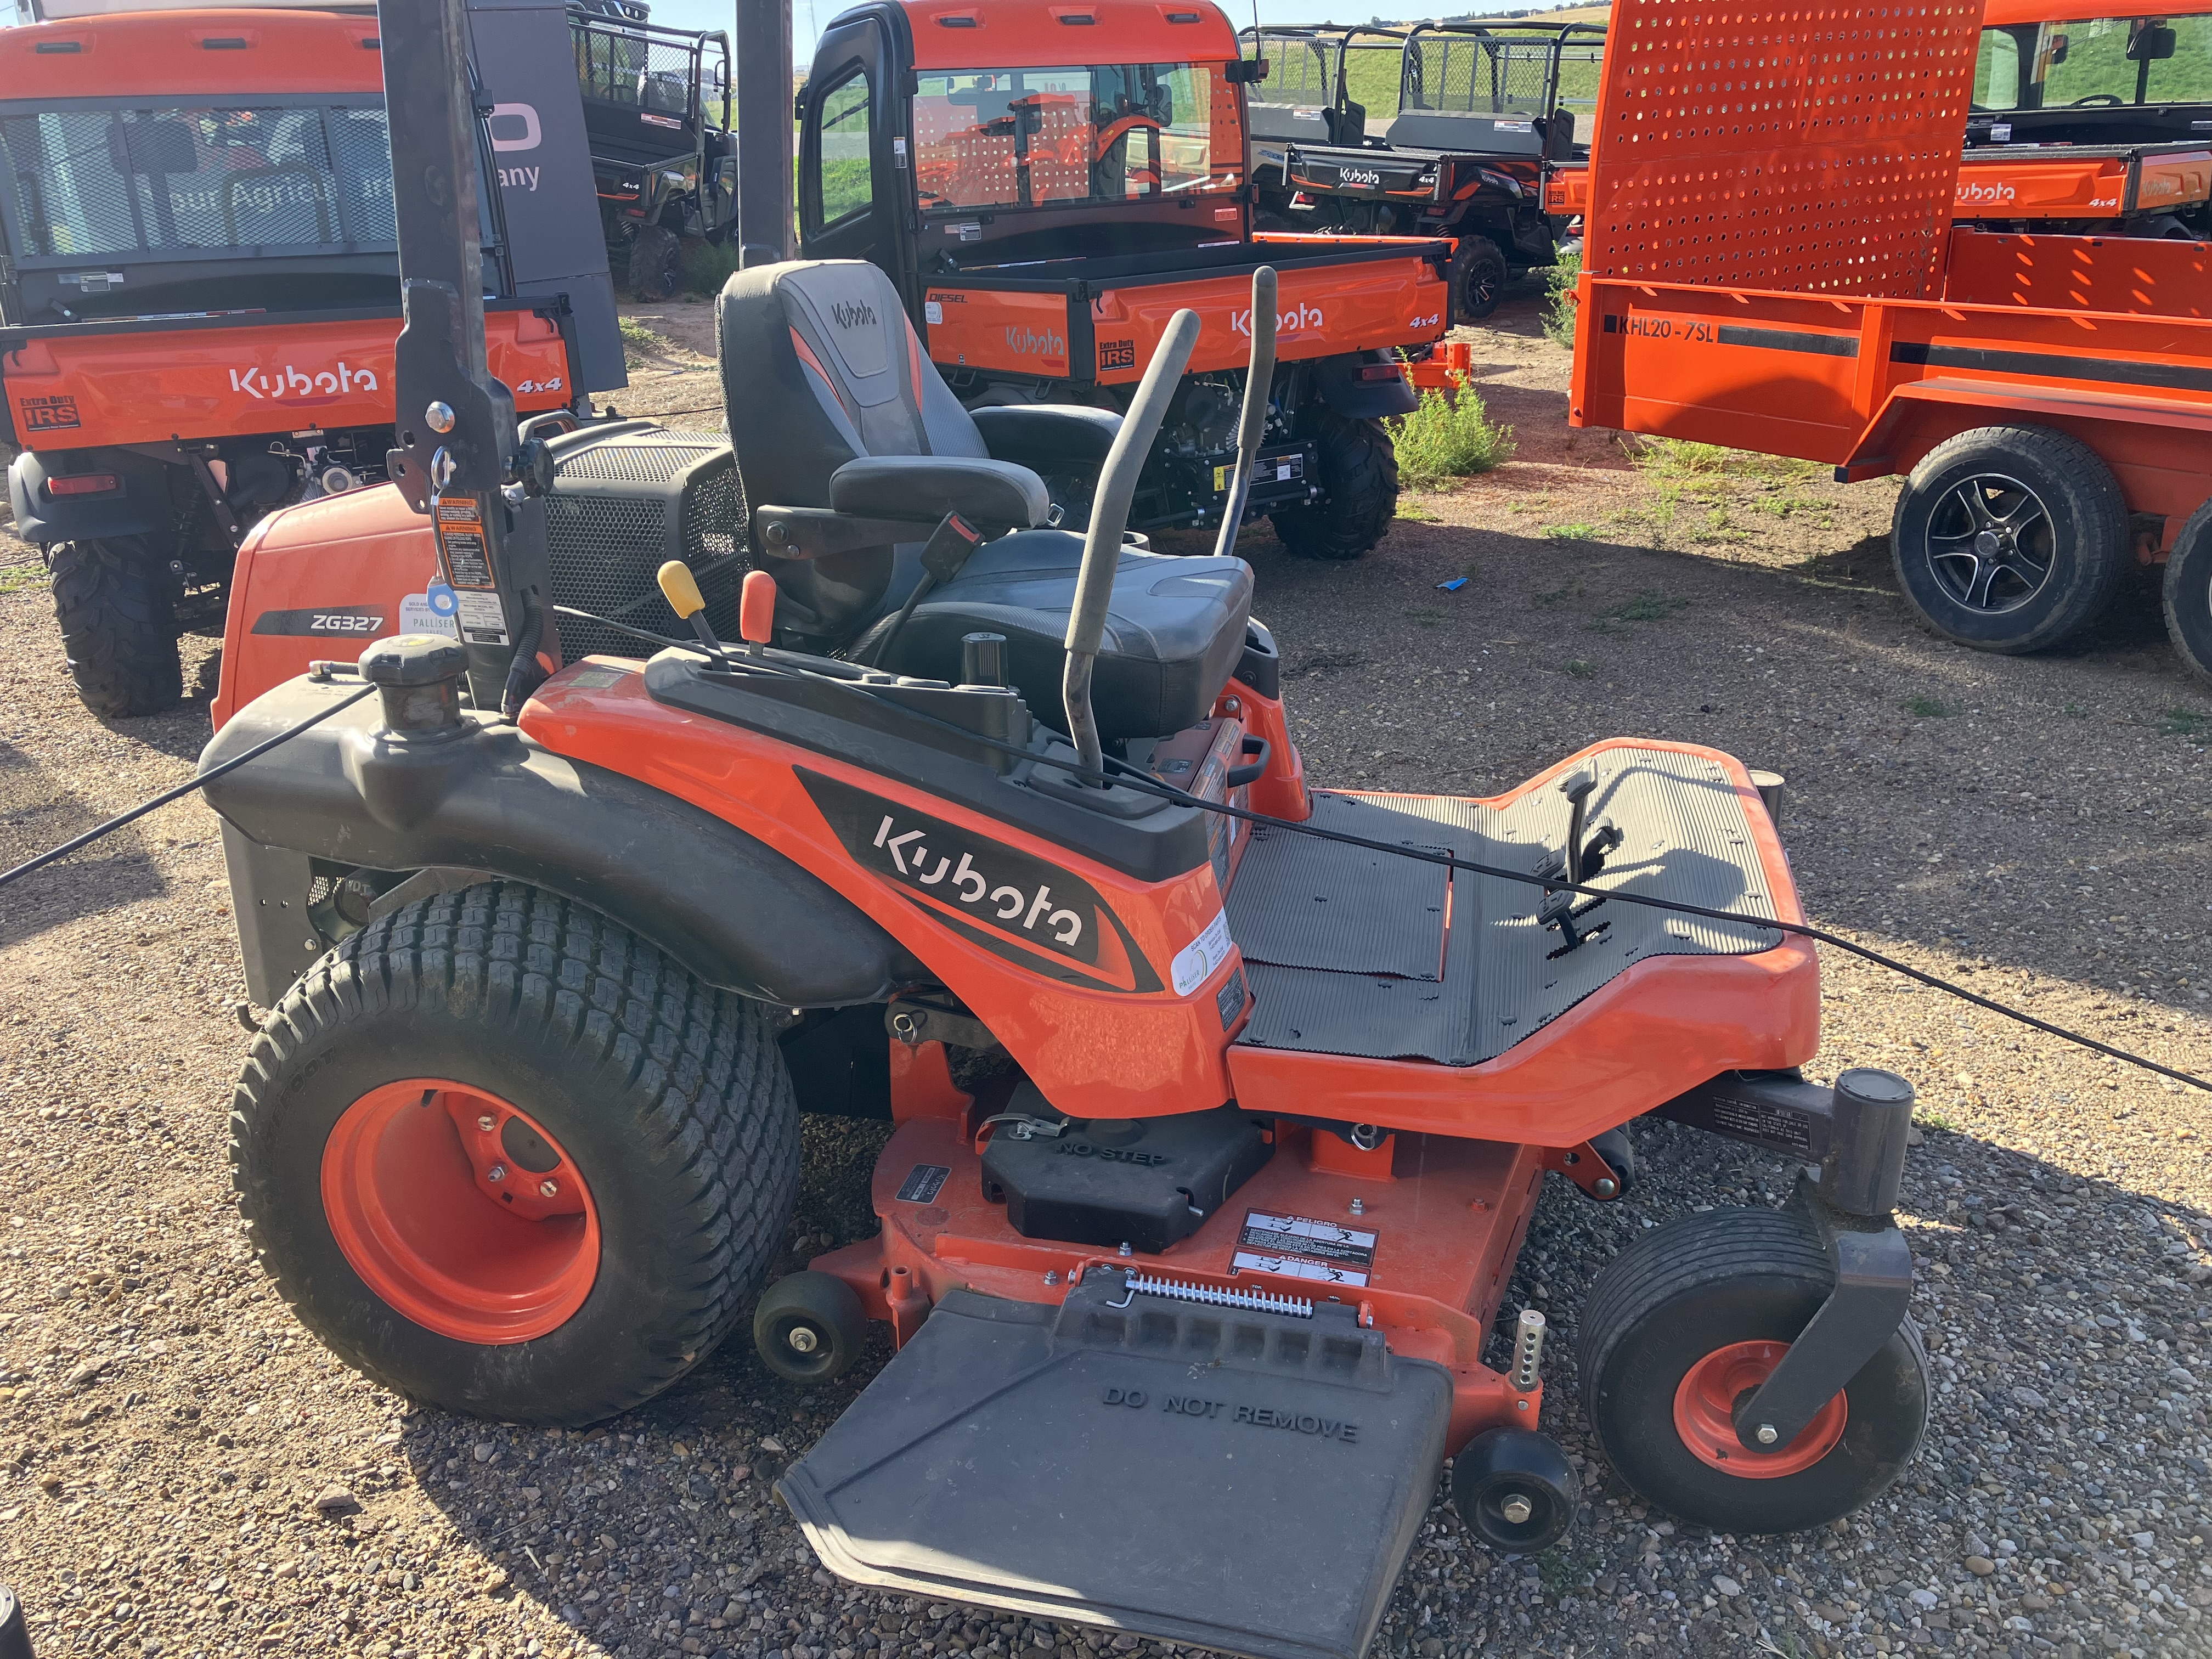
column 460, row 1211
column 1704, row 1408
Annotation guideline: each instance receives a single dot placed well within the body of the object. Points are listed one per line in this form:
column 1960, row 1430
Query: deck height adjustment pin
column 1528, row 1351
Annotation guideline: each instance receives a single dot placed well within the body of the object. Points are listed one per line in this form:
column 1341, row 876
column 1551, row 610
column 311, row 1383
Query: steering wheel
column 2098, row 97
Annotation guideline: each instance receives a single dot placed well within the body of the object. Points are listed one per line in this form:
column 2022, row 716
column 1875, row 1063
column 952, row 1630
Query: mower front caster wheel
column 810, row 1327
column 1693, row 1316
column 1515, row 1489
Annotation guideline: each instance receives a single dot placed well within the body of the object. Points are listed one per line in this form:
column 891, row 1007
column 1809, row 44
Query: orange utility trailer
column 1775, row 268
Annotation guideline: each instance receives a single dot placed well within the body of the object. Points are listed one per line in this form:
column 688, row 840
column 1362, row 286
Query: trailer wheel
column 2189, row 593
column 1360, row 486
column 1691, row 1317
column 118, row 626
column 1479, row 276
column 2009, row 538
column 656, row 262
column 503, row 1156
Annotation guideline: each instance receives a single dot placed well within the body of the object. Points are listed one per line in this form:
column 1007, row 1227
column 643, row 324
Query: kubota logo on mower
column 1299, row 316
column 997, row 895
column 289, row 384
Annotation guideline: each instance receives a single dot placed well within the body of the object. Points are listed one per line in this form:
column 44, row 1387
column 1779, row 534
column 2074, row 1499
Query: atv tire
column 118, row 627
column 2187, row 593
column 1358, row 468
column 1479, row 275
column 656, row 264
column 651, row 1137
column 2055, row 527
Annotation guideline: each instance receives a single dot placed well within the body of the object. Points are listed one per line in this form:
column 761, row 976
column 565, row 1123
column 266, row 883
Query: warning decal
column 461, row 539
column 922, row 1184
column 1299, row 1247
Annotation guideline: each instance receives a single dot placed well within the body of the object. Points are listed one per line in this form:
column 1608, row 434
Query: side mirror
column 2151, row 43
column 1244, row 71
column 799, row 101
column 2058, row 50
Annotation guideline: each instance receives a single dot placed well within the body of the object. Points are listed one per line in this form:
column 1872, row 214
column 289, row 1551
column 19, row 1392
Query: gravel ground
column 184, row 1472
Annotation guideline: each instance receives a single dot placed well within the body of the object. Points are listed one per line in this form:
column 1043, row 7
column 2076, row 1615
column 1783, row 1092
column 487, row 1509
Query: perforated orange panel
column 1759, row 144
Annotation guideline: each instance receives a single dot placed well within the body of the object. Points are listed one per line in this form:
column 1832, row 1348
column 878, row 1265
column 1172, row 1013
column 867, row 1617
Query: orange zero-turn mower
column 1221, row 1102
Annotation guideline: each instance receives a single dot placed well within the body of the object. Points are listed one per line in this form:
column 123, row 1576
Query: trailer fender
column 2159, row 450
column 138, row 505
column 344, row 798
column 1338, row 384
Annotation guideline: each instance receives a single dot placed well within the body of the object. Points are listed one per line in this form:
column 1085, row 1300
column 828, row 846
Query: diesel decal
column 997, row 895
column 361, row 622
column 53, row 414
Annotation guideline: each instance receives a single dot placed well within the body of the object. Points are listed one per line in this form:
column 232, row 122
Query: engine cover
column 1145, row 1182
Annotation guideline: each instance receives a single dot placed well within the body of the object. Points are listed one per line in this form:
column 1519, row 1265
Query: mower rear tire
column 2009, row 538
column 1479, row 275
column 2187, row 593
column 1514, row 1489
column 1358, row 467
column 118, row 627
column 656, row 264
column 1685, row 1320
column 810, row 1327
column 505, row 1157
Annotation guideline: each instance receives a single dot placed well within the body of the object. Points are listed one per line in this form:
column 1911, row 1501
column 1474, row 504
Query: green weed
column 1707, row 463
column 1580, row 669
column 1559, row 301
column 1417, row 513
column 1927, row 708
column 1448, row 436
column 637, row 337
column 1570, row 533
column 14, row 578
column 2185, row 723
column 707, row 267
column 1570, row 589
column 1931, row 1120
column 1647, row 606
column 2074, row 711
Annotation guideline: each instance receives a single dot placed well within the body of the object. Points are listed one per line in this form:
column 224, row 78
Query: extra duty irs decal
column 1014, row 904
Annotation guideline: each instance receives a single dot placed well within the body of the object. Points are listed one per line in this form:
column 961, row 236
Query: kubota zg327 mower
column 1259, row 1082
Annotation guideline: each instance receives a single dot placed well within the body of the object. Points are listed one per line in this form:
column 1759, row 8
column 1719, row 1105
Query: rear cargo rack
column 1213, row 1296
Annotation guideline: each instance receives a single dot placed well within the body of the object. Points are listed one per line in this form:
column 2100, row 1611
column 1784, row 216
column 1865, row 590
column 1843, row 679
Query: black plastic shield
column 1244, row 1481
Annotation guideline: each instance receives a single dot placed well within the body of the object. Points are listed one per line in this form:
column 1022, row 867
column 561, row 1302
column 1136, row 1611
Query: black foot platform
column 1242, row 1479
column 1358, row 952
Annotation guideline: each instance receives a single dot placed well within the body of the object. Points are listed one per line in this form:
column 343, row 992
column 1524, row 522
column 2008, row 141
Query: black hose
column 180, row 790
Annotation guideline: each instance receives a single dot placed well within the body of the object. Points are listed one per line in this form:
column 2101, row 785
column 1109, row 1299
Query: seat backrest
column 819, row 367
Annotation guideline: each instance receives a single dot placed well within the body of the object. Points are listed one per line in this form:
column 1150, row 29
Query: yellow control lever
column 681, row 589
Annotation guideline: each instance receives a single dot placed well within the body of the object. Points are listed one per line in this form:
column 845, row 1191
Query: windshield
column 111, row 183
column 2101, row 61
column 1032, row 138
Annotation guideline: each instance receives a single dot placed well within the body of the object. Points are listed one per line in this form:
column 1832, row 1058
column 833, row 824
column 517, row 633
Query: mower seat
column 833, row 402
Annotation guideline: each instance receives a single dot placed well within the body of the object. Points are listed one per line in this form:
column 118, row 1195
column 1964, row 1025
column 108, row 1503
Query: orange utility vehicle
column 2047, row 398
column 198, row 311
column 1045, row 186
column 1220, row 1103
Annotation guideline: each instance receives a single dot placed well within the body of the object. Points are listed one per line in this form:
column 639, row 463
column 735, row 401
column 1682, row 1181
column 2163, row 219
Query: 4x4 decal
column 1013, row 903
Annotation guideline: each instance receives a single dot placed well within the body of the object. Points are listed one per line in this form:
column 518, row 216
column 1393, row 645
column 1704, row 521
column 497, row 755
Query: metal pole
column 456, row 446
column 765, row 131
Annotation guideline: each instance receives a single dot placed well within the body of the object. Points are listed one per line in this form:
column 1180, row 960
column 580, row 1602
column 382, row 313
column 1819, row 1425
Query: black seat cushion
column 1174, row 630
column 994, row 495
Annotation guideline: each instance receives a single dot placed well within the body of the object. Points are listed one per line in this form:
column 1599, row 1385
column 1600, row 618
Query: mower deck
column 1242, row 1479
column 1356, row 952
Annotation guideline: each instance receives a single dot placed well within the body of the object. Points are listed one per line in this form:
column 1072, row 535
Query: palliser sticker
column 991, row 892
